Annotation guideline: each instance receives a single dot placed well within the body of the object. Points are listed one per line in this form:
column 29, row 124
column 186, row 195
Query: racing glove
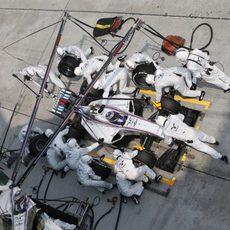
column 100, row 141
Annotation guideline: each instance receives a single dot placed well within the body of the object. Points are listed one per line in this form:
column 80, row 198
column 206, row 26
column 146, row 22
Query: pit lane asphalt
column 200, row 197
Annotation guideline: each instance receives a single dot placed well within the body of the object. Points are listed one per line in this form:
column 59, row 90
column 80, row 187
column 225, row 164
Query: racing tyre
column 93, row 94
column 146, row 157
column 76, row 131
column 67, row 65
column 140, row 73
column 139, row 107
column 37, row 143
column 170, row 105
column 100, row 169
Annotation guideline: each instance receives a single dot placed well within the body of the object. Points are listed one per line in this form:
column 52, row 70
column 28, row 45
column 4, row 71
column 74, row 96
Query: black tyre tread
column 170, row 105
column 146, row 157
column 68, row 62
column 76, row 132
column 36, row 144
column 140, row 73
column 100, row 169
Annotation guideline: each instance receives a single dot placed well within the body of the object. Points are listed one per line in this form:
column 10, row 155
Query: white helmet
column 130, row 65
column 86, row 159
column 117, row 153
column 60, row 51
column 49, row 132
column 150, row 79
column 160, row 120
column 182, row 54
column 72, row 142
column 78, row 71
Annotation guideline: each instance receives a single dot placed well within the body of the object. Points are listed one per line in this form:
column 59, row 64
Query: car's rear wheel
column 146, row 157
column 36, row 144
column 100, row 169
column 170, row 105
column 140, row 73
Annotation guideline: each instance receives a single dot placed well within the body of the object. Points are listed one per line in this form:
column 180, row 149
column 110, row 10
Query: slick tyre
column 93, row 94
column 140, row 73
column 36, row 144
column 100, row 169
column 67, row 65
column 146, row 157
column 76, row 132
column 170, row 105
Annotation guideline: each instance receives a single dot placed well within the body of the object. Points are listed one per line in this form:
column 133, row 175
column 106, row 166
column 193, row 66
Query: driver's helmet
column 19, row 197
column 112, row 116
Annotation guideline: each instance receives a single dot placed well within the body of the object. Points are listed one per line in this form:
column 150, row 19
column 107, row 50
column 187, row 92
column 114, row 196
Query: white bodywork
column 98, row 126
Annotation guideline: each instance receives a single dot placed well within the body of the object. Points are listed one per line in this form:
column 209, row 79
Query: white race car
column 115, row 118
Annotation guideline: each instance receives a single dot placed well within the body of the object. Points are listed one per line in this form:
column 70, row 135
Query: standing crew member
column 174, row 127
column 198, row 62
column 175, row 77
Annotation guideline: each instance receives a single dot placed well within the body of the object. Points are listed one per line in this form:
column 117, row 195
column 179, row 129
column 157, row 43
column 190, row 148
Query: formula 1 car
column 113, row 119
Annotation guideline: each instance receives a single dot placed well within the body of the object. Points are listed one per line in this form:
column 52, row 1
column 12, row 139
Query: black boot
column 217, row 143
column 158, row 178
column 225, row 159
column 123, row 199
column 135, row 198
column 227, row 91
column 201, row 95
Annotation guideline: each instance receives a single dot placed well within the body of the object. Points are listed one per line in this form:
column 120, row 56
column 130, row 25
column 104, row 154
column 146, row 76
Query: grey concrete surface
column 199, row 200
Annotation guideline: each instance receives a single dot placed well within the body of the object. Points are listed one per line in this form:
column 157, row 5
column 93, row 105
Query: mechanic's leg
column 190, row 93
column 123, row 85
column 55, row 161
column 89, row 52
column 202, row 147
column 206, row 138
column 99, row 184
column 215, row 80
column 139, row 172
column 128, row 189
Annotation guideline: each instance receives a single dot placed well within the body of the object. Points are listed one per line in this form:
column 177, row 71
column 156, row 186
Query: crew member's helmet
column 182, row 55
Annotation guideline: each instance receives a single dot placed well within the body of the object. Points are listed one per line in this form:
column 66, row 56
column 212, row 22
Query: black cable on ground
column 92, row 217
column 102, row 216
column 157, row 34
column 119, row 213
column 40, row 183
column 210, row 39
column 51, row 177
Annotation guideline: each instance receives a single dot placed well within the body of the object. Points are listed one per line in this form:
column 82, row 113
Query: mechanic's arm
column 82, row 55
column 180, row 116
column 133, row 153
column 87, row 76
column 89, row 148
column 168, row 140
column 159, row 90
column 92, row 175
column 64, row 131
